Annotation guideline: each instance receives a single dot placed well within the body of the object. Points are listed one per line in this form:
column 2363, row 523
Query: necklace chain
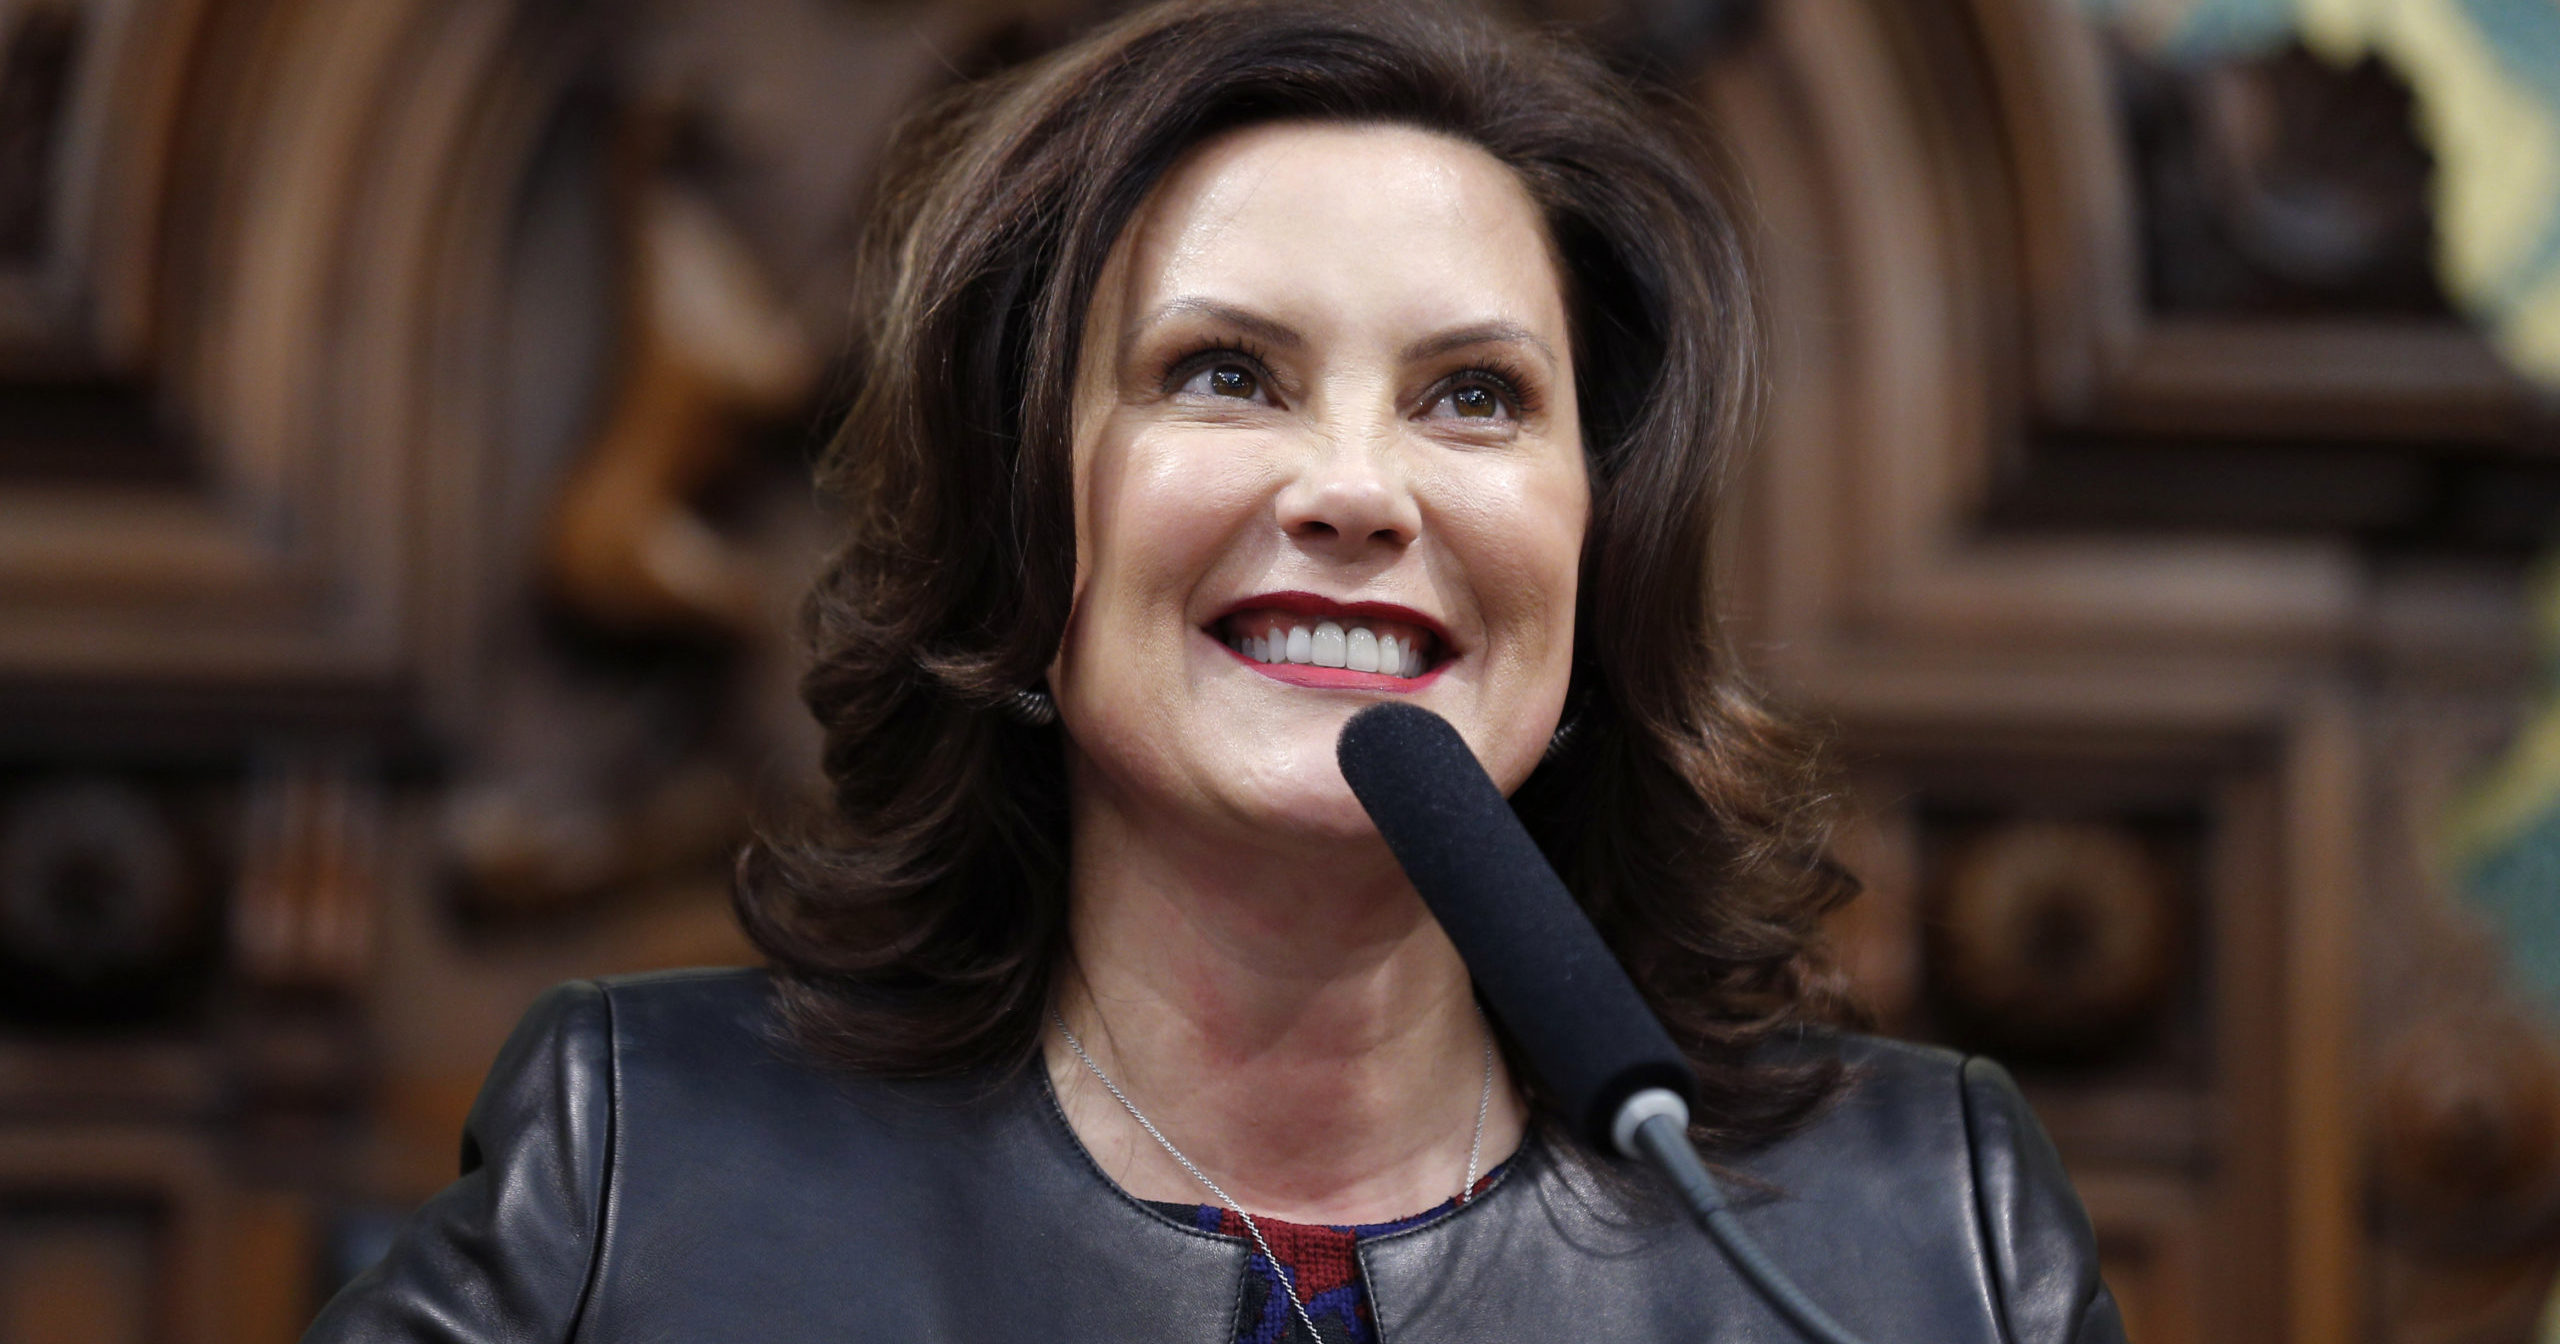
column 1466, row 1190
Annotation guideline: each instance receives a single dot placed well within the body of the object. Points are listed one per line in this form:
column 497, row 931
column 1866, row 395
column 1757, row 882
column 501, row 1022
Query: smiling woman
column 1245, row 315
column 1325, row 405
column 1241, row 367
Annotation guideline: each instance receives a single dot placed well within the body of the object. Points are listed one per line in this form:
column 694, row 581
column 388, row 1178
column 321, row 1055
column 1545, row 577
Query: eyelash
column 1506, row 380
column 1181, row 367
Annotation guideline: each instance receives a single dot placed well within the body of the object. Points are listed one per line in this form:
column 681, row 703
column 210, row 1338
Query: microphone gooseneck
column 1543, row 969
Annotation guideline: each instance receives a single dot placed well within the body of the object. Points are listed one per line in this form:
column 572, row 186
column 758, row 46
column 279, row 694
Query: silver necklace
column 1466, row 1189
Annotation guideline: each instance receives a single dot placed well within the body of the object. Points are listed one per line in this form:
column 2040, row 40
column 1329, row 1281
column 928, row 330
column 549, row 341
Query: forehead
column 1304, row 218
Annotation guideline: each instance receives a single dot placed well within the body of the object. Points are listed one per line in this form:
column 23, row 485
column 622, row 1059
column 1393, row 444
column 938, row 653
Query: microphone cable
column 1665, row 1140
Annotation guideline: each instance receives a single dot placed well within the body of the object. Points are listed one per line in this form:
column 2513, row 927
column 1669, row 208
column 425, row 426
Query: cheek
column 1561, row 518
column 1159, row 510
column 1524, row 542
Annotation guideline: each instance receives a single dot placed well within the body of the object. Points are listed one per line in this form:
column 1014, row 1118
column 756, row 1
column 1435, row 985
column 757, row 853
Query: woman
column 1241, row 366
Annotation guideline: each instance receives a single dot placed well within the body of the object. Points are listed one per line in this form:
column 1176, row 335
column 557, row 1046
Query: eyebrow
column 1283, row 336
column 1263, row 329
column 1480, row 333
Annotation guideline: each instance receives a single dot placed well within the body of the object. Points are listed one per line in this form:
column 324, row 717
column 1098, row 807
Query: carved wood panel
column 402, row 416
column 2126, row 598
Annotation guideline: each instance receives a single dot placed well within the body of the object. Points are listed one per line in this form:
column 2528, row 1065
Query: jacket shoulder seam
column 604, row 1165
column 1984, row 1226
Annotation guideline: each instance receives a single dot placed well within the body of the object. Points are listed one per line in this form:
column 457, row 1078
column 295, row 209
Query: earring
column 1565, row 732
column 1031, row 707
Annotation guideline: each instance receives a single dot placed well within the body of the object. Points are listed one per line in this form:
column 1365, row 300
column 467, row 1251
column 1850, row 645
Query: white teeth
column 1332, row 644
column 1360, row 650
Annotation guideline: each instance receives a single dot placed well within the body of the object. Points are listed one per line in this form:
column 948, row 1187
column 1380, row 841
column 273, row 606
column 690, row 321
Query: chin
column 1300, row 796
column 1336, row 817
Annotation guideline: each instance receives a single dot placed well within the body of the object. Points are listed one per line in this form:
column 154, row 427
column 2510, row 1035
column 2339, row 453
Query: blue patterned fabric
column 1324, row 1263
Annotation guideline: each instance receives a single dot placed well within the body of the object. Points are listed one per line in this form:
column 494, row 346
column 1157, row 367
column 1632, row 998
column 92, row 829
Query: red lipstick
column 1386, row 647
column 1327, row 608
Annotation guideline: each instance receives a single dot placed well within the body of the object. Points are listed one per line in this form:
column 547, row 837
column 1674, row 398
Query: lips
column 1313, row 640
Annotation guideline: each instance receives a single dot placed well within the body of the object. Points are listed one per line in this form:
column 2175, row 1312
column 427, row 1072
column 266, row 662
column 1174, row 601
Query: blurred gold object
column 709, row 350
column 2468, row 1132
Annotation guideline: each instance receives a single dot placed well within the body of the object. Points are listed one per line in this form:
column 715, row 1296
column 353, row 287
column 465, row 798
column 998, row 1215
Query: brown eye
column 1229, row 380
column 1475, row 402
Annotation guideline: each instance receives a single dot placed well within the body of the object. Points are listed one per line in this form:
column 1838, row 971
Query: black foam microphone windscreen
column 1537, row 960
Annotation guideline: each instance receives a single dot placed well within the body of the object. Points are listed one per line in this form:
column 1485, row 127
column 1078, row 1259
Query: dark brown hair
column 918, row 929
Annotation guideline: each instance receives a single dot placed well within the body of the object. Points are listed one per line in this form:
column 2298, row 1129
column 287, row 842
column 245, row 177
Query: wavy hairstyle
column 916, row 929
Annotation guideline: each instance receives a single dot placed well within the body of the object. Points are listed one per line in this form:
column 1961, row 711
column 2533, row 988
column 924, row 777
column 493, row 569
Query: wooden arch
column 2124, row 619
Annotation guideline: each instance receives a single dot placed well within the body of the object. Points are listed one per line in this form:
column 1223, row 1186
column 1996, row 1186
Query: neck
column 1303, row 1032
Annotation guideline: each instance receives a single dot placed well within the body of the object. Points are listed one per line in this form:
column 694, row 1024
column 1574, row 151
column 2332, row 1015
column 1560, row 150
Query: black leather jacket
column 646, row 1163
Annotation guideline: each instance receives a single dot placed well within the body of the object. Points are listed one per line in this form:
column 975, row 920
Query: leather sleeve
column 505, row 1252
column 2044, row 1257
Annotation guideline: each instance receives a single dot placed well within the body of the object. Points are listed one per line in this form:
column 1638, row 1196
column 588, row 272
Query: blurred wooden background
column 403, row 417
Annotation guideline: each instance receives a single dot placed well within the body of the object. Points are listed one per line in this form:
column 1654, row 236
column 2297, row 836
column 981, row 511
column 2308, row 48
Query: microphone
column 1542, row 968
column 1536, row 959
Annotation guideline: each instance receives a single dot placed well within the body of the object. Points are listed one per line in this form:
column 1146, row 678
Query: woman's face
column 1326, row 454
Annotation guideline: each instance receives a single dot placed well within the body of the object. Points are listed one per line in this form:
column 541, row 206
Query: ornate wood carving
column 2054, row 938
column 2278, row 186
column 2202, row 650
column 2468, row 1130
column 358, row 363
column 2355, row 406
column 308, row 887
column 103, row 907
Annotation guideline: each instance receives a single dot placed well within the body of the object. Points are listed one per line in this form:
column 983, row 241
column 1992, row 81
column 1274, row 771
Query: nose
column 1348, row 498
